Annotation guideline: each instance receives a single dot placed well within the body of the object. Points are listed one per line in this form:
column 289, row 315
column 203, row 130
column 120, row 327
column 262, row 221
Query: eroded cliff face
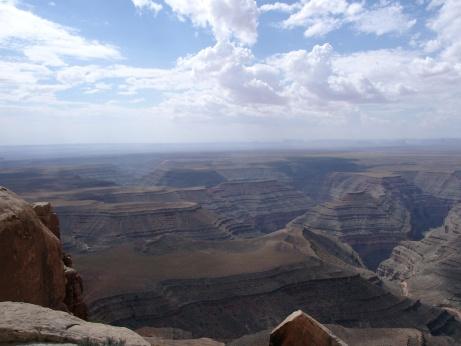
column 373, row 213
column 34, row 268
column 95, row 219
column 442, row 184
column 96, row 225
column 429, row 269
column 229, row 307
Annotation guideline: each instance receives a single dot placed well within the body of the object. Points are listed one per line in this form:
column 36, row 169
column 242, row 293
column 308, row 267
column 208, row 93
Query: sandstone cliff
column 33, row 266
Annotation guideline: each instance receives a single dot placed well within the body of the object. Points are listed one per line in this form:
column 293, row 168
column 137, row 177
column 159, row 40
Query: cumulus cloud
column 446, row 23
column 224, row 71
column 226, row 81
column 315, row 73
column 227, row 18
column 44, row 41
column 319, row 17
column 147, row 5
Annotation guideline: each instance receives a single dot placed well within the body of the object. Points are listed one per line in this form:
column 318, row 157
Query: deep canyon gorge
column 225, row 245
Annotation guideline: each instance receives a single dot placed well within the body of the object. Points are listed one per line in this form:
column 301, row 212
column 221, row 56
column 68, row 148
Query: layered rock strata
column 229, row 307
column 373, row 213
column 265, row 205
column 441, row 184
column 184, row 177
column 96, row 226
column 429, row 269
column 94, row 219
column 373, row 227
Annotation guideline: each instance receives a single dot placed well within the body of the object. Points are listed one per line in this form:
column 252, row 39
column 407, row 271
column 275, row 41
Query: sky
column 198, row 71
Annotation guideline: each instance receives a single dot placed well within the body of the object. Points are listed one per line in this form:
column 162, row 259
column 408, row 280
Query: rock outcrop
column 74, row 292
column 300, row 329
column 429, row 269
column 31, row 258
column 373, row 213
column 49, row 218
column 33, row 267
column 28, row 323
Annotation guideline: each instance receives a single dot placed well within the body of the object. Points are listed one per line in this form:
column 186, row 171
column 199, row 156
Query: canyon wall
column 429, row 269
column 229, row 307
column 373, row 213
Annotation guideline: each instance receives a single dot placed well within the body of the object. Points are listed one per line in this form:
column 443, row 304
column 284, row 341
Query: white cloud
column 384, row 20
column 316, row 76
column 46, row 42
column 147, row 5
column 226, row 84
column 26, row 82
column 279, row 6
column 320, row 17
column 228, row 19
column 322, row 27
column 446, row 23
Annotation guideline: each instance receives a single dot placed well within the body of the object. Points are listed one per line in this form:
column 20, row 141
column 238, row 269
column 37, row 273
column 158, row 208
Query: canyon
column 226, row 245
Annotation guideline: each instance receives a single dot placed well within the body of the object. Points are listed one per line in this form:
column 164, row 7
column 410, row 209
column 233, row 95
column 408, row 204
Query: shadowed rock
column 299, row 329
column 33, row 267
column 31, row 257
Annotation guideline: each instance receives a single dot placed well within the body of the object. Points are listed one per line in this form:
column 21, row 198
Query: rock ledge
column 23, row 323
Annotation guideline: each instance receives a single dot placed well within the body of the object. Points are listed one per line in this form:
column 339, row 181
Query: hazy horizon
column 85, row 150
column 174, row 71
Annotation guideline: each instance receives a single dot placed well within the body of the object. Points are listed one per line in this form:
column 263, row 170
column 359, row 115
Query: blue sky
column 80, row 71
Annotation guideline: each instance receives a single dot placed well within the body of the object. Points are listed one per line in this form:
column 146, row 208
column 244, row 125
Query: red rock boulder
column 31, row 267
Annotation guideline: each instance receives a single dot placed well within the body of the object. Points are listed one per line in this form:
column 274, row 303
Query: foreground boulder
column 299, row 329
column 28, row 323
column 31, row 259
column 33, row 268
